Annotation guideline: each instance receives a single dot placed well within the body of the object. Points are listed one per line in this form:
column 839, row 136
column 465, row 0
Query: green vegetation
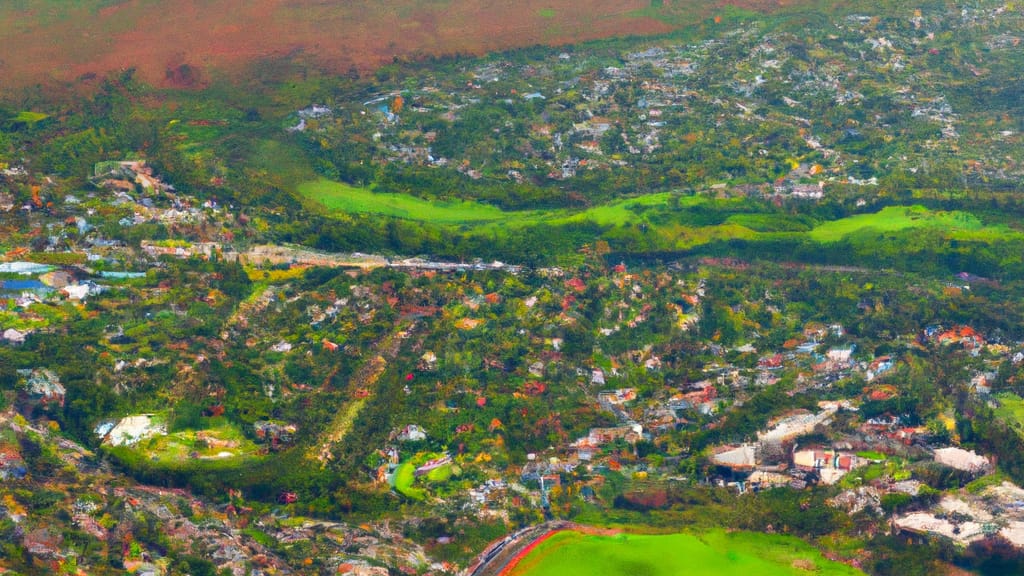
column 1011, row 409
column 346, row 198
column 219, row 442
column 341, row 197
column 895, row 218
column 711, row 553
column 29, row 117
column 440, row 474
column 404, row 478
column 981, row 484
column 891, row 468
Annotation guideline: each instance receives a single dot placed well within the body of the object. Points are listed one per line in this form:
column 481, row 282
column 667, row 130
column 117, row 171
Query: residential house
column 739, row 458
column 12, row 467
column 42, row 391
column 427, row 362
column 598, row 437
column 275, row 432
column 829, row 464
column 410, row 433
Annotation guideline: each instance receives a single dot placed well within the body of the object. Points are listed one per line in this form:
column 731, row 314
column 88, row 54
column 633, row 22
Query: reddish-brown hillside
column 185, row 42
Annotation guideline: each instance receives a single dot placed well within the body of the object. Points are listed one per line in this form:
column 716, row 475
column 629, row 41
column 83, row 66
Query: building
column 742, row 457
column 42, row 391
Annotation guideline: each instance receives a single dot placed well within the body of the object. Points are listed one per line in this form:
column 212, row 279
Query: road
column 500, row 553
column 269, row 254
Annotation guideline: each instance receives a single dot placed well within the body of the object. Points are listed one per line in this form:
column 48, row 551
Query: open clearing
column 714, row 553
column 219, row 441
column 895, row 218
column 1011, row 409
column 674, row 231
column 341, row 197
column 337, row 196
column 405, row 476
column 406, row 482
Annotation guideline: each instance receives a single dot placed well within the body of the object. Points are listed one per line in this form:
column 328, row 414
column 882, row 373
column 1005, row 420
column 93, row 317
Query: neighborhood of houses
column 822, row 355
column 564, row 117
column 510, row 389
column 867, row 457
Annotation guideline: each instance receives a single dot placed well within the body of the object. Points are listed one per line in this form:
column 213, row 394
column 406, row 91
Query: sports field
column 715, row 553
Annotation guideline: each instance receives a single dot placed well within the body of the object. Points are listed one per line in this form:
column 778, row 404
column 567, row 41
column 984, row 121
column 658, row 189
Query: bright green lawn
column 405, row 476
column 341, row 197
column 715, row 553
column 894, row 218
column 623, row 211
column 440, row 474
column 1011, row 409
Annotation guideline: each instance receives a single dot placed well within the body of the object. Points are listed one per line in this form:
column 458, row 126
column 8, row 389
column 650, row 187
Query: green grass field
column 1011, row 409
column 715, row 553
column 624, row 211
column 341, row 197
column 405, row 481
column 222, row 441
column 337, row 196
column 30, row 117
column 664, row 213
column 895, row 218
column 442, row 474
column 405, row 476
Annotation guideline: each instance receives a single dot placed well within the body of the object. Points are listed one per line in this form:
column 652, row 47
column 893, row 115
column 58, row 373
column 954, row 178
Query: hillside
column 185, row 42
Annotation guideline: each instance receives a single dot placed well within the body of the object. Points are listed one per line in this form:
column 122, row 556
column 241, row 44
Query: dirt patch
column 804, row 564
column 595, row 531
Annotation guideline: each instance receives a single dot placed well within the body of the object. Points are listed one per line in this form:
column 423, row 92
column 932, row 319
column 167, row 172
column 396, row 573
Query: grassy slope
column 228, row 36
column 405, row 476
column 1011, row 409
column 715, row 553
column 894, row 218
column 339, row 197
